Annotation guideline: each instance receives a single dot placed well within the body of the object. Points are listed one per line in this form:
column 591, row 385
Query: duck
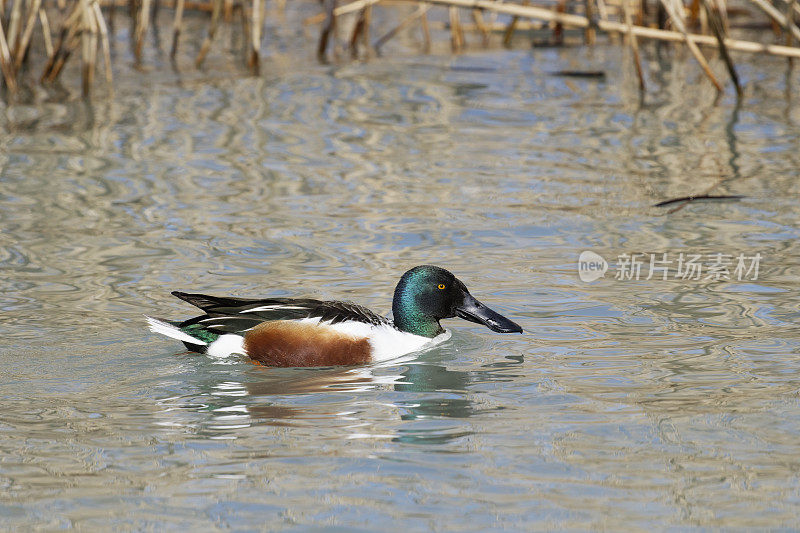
column 302, row 332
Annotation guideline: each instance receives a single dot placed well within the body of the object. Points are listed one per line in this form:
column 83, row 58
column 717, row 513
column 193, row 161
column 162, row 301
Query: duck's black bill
column 474, row 311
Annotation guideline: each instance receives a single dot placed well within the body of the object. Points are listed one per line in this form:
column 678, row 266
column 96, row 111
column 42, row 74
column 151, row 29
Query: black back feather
column 234, row 315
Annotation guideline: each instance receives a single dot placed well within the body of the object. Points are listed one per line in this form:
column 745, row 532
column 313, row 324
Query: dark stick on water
column 699, row 197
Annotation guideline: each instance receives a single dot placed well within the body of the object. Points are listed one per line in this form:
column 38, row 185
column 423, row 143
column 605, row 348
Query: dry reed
column 634, row 43
column 59, row 30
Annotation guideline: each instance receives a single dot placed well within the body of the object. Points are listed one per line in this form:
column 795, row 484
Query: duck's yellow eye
column 441, row 286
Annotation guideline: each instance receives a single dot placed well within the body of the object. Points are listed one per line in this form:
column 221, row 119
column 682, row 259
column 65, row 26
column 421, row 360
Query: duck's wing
column 234, row 315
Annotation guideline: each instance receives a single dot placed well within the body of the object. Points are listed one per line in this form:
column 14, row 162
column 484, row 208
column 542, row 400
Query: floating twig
column 694, row 198
column 593, row 74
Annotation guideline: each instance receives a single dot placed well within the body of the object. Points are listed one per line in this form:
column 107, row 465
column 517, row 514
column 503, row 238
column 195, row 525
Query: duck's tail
column 164, row 327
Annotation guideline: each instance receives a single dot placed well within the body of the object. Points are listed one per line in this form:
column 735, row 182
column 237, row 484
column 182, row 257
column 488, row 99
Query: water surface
column 626, row 404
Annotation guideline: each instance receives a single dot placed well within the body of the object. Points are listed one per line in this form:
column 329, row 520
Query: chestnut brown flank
column 288, row 343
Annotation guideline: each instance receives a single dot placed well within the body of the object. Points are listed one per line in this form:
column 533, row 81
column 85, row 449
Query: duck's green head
column 427, row 294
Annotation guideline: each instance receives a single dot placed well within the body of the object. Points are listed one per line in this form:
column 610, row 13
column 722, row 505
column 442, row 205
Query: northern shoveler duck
column 304, row 332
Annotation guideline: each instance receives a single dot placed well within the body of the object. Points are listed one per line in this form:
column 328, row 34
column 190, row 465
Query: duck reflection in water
column 421, row 391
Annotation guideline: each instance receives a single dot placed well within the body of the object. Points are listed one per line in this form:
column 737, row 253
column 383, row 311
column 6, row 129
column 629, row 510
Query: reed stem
column 48, row 40
column 477, row 17
column 101, row 24
column 778, row 17
column 141, row 28
column 578, row 21
column 255, row 36
column 456, row 33
column 632, row 41
column 176, row 28
column 677, row 19
column 5, row 63
column 212, row 30
column 717, row 27
column 27, row 33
